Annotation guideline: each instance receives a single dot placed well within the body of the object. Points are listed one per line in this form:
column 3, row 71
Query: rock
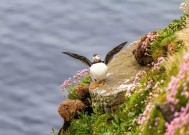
column 64, row 128
column 167, row 110
column 83, row 91
column 139, row 53
column 121, row 70
column 69, row 109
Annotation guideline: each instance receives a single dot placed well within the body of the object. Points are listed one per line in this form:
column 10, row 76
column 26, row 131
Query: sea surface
column 33, row 33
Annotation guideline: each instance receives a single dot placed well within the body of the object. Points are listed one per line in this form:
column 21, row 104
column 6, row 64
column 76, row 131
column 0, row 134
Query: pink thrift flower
column 76, row 79
column 181, row 119
column 180, row 80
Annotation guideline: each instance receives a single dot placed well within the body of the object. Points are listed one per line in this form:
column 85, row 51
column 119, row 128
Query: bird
column 98, row 68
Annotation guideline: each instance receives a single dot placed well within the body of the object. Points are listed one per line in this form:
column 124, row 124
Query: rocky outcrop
column 121, row 71
column 168, row 110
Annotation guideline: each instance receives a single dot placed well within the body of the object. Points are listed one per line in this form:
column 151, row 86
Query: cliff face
column 152, row 98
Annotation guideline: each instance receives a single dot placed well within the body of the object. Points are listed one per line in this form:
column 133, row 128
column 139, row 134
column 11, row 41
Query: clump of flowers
column 179, row 85
column 149, row 84
column 135, row 83
column 138, row 76
column 76, row 79
column 184, row 6
column 66, row 83
column 181, row 121
column 152, row 86
column 156, row 66
column 143, row 118
column 150, row 37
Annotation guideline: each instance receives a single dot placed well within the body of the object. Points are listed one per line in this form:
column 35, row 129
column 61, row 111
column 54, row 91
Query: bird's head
column 96, row 58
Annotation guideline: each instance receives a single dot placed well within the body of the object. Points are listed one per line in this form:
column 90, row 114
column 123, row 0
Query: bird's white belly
column 98, row 71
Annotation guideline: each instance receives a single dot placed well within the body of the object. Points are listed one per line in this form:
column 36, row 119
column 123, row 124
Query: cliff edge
column 146, row 90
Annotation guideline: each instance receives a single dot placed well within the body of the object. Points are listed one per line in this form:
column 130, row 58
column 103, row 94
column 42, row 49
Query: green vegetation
column 166, row 81
column 166, row 41
column 75, row 92
column 77, row 85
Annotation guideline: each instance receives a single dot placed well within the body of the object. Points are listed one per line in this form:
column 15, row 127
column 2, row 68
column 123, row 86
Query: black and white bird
column 98, row 68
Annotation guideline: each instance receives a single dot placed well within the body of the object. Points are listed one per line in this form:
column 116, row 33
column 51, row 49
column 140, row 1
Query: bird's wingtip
column 125, row 42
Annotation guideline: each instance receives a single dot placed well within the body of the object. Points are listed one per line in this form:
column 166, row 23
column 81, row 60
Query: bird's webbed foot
column 101, row 83
column 98, row 84
column 94, row 85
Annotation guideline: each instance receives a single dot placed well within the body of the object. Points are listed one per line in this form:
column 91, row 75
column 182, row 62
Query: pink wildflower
column 156, row 66
column 150, row 37
column 179, row 80
column 181, row 120
column 66, row 83
column 145, row 115
column 76, row 79
column 138, row 76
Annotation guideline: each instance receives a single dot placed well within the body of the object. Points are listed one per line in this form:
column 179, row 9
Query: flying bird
column 98, row 68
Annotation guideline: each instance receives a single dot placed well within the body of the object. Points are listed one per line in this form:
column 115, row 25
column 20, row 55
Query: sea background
column 33, row 33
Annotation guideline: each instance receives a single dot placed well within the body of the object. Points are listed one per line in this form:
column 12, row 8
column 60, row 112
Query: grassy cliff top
column 159, row 101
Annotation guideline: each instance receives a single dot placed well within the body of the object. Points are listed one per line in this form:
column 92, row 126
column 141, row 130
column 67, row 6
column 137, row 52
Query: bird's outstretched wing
column 83, row 59
column 114, row 51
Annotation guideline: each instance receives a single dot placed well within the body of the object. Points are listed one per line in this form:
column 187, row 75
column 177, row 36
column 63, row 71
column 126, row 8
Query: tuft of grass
column 174, row 60
column 158, row 52
column 183, row 34
column 172, row 63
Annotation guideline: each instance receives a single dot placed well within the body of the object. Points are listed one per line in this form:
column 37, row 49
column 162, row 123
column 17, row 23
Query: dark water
column 33, row 33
